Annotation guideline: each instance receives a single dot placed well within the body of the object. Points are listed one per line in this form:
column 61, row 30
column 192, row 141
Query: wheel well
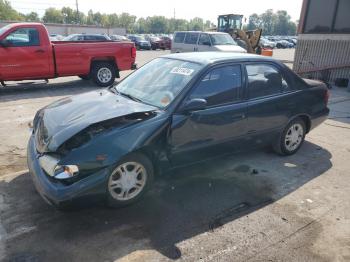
column 148, row 152
column 109, row 60
column 307, row 122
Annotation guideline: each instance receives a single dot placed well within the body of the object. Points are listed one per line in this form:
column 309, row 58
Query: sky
column 206, row 9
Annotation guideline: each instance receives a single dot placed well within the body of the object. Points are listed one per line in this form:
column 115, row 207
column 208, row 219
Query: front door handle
column 40, row 51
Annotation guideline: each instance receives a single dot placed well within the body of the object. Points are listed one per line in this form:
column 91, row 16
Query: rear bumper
column 318, row 119
column 58, row 194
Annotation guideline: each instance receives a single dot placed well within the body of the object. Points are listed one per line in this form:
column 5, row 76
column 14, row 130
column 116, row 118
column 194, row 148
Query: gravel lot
column 253, row 206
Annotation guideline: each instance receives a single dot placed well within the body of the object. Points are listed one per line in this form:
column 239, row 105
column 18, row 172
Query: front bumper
column 58, row 194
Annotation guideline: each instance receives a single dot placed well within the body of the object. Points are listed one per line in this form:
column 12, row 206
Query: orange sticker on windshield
column 165, row 100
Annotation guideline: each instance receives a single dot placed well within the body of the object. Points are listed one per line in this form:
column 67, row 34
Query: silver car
column 194, row 41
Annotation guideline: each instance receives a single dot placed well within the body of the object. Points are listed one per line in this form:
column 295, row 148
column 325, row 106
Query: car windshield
column 139, row 38
column 158, row 82
column 222, row 39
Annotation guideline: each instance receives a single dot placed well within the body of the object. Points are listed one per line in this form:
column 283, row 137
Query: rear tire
column 103, row 74
column 130, row 179
column 291, row 139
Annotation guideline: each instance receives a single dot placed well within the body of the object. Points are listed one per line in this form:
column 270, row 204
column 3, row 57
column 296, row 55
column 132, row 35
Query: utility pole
column 174, row 14
column 76, row 2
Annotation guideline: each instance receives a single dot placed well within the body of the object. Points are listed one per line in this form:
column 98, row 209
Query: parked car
column 282, row 44
column 87, row 37
column 56, row 37
column 167, row 41
column 194, row 41
column 156, row 43
column 267, row 44
column 27, row 53
column 112, row 142
column 118, row 38
column 140, row 42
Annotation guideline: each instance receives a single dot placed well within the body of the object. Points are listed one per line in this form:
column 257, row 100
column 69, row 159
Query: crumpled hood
column 66, row 117
column 230, row 48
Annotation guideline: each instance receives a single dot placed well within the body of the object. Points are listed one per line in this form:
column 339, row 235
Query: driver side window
column 24, row 37
column 220, row 86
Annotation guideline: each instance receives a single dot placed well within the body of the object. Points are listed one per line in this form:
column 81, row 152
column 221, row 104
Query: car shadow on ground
column 32, row 90
column 190, row 201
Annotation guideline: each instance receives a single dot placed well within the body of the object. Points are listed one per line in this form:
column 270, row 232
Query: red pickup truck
column 26, row 52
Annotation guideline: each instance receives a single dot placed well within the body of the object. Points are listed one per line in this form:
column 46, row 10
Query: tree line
column 278, row 23
column 272, row 23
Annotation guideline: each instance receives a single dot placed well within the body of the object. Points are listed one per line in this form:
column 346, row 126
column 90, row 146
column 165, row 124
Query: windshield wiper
column 131, row 97
column 113, row 90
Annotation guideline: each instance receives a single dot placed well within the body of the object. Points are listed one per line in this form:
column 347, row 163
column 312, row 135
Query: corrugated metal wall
column 316, row 52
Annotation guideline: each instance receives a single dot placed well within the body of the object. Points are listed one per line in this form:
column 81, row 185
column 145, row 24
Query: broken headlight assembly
column 66, row 171
column 50, row 165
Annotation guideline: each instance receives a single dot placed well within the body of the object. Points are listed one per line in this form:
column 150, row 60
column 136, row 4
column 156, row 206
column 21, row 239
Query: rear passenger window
column 191, row 38
column 265, row 80
column 220, row 86
column 179, row 37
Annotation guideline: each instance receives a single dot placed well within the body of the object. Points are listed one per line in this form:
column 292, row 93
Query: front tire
column 291, row 138
column 103, row 74
column 129, row 180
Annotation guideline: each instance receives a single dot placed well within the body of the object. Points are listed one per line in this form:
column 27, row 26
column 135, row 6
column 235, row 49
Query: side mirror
column 194, row 105
column 207, row 43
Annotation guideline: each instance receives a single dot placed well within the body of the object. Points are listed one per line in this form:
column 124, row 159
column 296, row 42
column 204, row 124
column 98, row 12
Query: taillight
column 133, row 52
column 326, row 97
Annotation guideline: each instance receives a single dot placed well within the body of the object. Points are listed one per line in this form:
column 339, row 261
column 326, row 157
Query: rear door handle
column 40, row 51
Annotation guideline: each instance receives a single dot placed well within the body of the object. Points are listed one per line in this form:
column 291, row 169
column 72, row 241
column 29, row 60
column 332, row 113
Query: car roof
column 214, row 57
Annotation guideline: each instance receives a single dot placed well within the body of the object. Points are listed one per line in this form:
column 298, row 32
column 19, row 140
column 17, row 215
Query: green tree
column 53, row 15
column 157, row 24
column 90, row 18
column 254, row 22
column 268, row 21
column 196, row 24
column 7, row 12
column 127, row 21
column 141, row 26
column 69, row 15
column 282, row 23
column 32, row 17
column 113, row 20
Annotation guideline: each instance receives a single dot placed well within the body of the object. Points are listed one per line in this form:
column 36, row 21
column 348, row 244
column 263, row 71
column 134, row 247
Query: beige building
column 66, row 29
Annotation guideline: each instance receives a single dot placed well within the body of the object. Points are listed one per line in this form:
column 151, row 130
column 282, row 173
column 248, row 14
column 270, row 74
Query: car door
column 24, row 57
column 190, row 42
column 223, row 120
column 270, row 99
column 204, row 43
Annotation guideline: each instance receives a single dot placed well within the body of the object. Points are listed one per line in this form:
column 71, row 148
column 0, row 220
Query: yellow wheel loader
column 232, row 24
